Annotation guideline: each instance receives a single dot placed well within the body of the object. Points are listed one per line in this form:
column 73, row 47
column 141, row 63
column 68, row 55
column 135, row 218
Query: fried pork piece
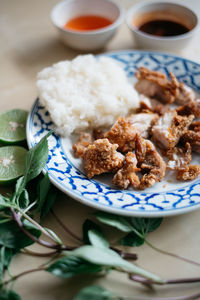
column 150, row 162
column 156, row 85
column 98, row 134
column 127, row 174
column 85, row 139
column 101, row 157
column 195, row 126
column 179, row 157
column 185, row 94
column 192, row 107
column 143, row 122
column 123, row 134
column 189, row 173
column 192, row 137
column 153, row 105
column 169, row 128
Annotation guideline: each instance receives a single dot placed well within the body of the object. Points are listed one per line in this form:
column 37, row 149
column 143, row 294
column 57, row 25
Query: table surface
column 29, row 43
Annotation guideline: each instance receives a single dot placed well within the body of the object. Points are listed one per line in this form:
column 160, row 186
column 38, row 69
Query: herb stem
column 30, row 206
column 65, row 227
column 33, row 253
column 183, row 280
column 36, row 225
column 172, row 254
column 189, row 297
column 37, row 240
column 32, row 237
column 125, row 255
column 23, row 274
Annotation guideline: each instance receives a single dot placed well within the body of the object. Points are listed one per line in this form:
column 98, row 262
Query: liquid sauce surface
column 163, row 28
column 87, row 22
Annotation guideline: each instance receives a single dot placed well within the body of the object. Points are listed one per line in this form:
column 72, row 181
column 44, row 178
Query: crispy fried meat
column 190, row 108
column 192, row 137
column 179, row 157
column 151, row 163
column 153, row 105
column 169, row 128
column 143, row 122
column 127, row 174
column 98, row 134
column 123, row 134
column 101, row 157
column 85, row 139
column 185, row 94
column 156, row 85
column 188, row 173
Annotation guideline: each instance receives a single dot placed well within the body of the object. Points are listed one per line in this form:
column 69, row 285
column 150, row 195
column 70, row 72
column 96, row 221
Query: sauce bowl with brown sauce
column 162, row 25
column 87, row 25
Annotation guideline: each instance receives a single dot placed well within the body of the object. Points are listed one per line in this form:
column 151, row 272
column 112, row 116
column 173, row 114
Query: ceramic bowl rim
column 151, row 37
column 114, row 25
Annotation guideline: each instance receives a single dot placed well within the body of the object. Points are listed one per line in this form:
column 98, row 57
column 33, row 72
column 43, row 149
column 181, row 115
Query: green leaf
column 24, row 199
column 36, row 159
column 43, row 189
column 6, row 256
column 11, row 236
column 108, row 258
column 132, row 240
column 97, row 239
column 92, row 234
column 4, row 203
column 88, row 225
column 145, row 225
column 94, row 293
column 70, row 266
column 9, row 295
column 51, row 197
column 119, row 222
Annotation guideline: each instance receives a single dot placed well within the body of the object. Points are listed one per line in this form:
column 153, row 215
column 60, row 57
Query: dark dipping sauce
column 163, row 28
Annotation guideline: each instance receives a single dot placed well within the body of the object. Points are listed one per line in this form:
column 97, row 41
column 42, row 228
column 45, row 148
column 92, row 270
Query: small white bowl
column 164, row 10
column 91, row 39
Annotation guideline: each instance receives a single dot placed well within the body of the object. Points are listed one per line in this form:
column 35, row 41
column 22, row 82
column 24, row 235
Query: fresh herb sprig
column 33, row 197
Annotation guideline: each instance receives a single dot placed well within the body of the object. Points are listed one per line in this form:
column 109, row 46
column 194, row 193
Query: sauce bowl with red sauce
column 162, row 25
column 87, row 25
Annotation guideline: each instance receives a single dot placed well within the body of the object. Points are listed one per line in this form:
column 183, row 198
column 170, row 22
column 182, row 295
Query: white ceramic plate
column 166, row 198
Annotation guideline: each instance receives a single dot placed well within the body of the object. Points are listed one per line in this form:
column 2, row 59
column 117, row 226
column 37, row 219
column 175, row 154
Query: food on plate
column 101, row 157
column 126, row 176
column 153, row 105
column 13, row 126
column 140, row 147
column 86, row 93
column 150, row 162
column 169, row 128
column 157, row 85
column 12, row 163
column 192, row 136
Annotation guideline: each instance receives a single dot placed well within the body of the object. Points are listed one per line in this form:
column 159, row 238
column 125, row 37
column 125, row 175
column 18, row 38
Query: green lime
column 12, row 163
column 13, row 126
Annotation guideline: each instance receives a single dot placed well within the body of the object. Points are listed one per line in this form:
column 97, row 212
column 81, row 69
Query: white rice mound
column 85, row 93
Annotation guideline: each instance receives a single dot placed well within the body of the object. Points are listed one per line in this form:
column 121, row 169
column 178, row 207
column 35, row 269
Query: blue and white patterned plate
column 164, row 199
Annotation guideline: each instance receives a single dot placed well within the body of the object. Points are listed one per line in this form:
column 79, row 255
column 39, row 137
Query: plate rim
column 101, row 206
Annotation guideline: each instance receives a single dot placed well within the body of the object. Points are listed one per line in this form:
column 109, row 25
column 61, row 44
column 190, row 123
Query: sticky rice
column 85, row 93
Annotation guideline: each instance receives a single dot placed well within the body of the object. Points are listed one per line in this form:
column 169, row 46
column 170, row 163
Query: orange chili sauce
column 87, row 22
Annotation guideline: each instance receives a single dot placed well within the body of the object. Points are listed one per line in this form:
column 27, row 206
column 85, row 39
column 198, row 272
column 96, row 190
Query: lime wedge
column 12, row 163
column 13, row 126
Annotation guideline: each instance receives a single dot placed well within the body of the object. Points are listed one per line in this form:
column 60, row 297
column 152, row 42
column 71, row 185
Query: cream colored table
column 28, row 43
